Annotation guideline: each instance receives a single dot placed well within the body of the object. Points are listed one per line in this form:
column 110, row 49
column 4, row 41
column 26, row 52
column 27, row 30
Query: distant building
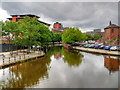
column 96, row 31
column 19, row 17
column 58, row 28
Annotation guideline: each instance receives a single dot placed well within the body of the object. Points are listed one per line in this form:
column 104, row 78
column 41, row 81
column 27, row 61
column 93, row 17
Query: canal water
column 61, row 68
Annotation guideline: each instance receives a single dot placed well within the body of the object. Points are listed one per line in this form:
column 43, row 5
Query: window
column 112, row 30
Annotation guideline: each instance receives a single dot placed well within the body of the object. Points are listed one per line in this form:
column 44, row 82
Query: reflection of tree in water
column 53, row 50
column 72, row 58
column 28, row 74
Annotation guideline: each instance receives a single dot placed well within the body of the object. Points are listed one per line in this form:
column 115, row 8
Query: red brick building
column 19, row 17
column 58, row 28
column 111, row 35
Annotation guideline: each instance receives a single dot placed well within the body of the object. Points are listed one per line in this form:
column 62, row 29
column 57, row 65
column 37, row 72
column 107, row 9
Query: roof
column 43, row 22
column 111, row 26
column 27, row 15
column 57, row 23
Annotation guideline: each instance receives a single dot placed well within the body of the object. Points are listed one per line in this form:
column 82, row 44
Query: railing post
column 20, row 57
column 24, row 56
column 9, row 59
column 14, row 58
column 3, row 61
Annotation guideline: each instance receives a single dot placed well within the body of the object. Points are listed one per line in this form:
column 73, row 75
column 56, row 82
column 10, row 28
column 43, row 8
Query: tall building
column 19, row 17
column 58, row 28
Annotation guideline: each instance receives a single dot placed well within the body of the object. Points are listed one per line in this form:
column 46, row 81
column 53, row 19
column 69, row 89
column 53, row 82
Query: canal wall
column 99, row 51
column 9, row 61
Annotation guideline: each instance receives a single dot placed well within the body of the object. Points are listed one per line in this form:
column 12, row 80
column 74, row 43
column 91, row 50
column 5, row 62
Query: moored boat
column 67, row 46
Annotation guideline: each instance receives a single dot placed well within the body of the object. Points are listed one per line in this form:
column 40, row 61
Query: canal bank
column 99, row 51
column 8, row 60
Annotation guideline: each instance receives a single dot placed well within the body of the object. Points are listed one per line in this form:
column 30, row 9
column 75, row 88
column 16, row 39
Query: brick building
column 111, row 35
column 58, row 28
column 19, row 17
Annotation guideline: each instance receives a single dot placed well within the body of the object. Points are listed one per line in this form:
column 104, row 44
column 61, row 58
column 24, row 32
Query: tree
column 8, row 27
column 72, row 35
column 87, row 36
column 96, row 36
column 57, row 37
column 31, row 32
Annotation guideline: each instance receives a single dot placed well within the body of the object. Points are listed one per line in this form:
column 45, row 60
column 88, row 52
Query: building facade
column 19, row 17
column 58, row 28
column 111, row 35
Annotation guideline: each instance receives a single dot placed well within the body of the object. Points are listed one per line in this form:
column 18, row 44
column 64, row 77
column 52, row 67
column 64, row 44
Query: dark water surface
column 61, row 68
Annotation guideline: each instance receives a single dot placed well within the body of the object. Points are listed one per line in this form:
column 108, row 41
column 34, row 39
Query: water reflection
column 57, row 55
column 27, row 74
column 73, row 58
column 111, row 63
column 54, row 70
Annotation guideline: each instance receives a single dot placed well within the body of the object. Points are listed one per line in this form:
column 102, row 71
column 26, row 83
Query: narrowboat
column 67, row 46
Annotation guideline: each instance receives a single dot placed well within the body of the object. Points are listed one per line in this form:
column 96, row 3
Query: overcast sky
column 85, row 15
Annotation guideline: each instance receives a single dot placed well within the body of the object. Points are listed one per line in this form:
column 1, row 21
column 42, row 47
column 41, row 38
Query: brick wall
column 56, row 26
column 55, row 31
column 109, row 35
column 14, row 18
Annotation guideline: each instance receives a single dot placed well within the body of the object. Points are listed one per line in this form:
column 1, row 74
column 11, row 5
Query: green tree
column 72, row 35
column 96, row 36
column 8, row 27
column 87, row 36
column 32, row 33
column 57, row 37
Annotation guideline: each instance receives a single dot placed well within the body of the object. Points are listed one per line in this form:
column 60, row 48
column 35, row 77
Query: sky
column 85, row 15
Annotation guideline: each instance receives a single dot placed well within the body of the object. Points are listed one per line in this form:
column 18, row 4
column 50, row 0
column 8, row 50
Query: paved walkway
column 101, row 51
column 6, row 58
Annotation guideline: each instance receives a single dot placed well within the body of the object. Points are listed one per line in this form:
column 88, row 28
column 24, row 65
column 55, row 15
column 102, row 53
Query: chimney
column 110, row 22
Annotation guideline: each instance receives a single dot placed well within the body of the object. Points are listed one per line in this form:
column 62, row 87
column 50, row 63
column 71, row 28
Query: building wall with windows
column 111, row 35
column 19, row 17
column 58, row 28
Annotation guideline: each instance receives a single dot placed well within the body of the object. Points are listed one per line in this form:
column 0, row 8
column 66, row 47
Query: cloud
column 4, row 15
column 79, row 14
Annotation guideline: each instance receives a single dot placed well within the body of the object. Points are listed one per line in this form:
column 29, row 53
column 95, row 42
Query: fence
column 12, row 59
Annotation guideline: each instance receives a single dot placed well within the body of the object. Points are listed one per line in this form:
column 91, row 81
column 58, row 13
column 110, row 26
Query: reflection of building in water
column 111, row 63
column 57, row 55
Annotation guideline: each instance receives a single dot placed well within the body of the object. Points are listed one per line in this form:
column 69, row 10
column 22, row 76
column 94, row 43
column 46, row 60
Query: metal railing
column 11, row 59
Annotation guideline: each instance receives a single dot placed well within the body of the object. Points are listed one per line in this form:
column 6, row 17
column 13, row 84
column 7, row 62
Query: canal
column 61, row 68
